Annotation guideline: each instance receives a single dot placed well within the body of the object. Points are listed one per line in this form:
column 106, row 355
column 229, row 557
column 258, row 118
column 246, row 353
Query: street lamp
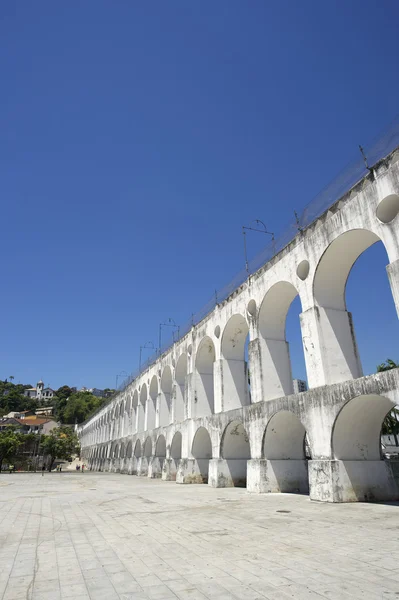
column 244, row 233
column 146, row 345
column 169, row 323
column 119, row 375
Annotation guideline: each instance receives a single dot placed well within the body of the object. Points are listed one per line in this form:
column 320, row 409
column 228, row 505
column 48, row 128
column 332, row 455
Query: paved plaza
column 100, row 536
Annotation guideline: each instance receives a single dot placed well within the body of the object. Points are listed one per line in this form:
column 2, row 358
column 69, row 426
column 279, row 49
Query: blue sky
column 138, row 137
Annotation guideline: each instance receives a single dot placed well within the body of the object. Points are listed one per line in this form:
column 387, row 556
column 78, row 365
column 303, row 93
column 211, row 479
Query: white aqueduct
column 191, row 417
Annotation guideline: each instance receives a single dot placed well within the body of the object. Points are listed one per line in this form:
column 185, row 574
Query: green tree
column 10, row 441
column 80, row 406
column 62, row 395
column 390, row 425
column 61, row 443
column 387, row 365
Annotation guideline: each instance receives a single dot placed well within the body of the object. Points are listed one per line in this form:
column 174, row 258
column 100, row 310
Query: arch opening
column 142, row 409
column 160, row 447
column 204, row 403
column 165, row 398
column 235, row 449
column 180, row 389
column 175, row 449
column 234, row 365
column 279, row 313
column 351, row 275
column 202, row 452
column 284, row 448
column 357, row 428
column 151, row 415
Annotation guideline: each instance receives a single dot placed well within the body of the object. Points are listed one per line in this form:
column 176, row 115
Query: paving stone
column 139, row 539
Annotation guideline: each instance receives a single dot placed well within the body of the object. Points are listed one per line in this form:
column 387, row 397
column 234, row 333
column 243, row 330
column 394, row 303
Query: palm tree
column 11, row 378
column 387, row 365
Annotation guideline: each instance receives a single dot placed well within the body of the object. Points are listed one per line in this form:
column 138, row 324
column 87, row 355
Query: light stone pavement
column 107, row 536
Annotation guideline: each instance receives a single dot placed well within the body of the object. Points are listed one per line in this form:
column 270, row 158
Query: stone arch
column 356, row 432
column 358, row 463
column 235, row 449
column 233, row 365
column 204, row 403
column 233, row 338
column 137, row 449
column 202, row 452
column 160, row 447
column 122, row 451
column 284, row 437
column 175, row 448
column 147, row 451
column 274, row 348
column 335, row 264
column 129, row 450
column 284, row 453
column 340, row 356
column 165, row 398
column 180, row 389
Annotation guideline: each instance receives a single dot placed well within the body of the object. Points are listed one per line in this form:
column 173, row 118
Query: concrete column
column 231, row 384
column 230, row 472
column 169, row 469
column 353, row 480
column 270, row 369
column 142, row 466
column 331, row 353
column 276, row 476
column 393, row 276
column 190, row 394
column 155, row 465
column 190, row 470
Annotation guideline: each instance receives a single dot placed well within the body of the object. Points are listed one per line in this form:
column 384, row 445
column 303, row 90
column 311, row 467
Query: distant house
column 98, row 393
column 20, row 414
column 44, row 411
column 30, row 424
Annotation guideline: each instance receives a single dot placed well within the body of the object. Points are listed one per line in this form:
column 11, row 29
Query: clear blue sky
column 138, row 137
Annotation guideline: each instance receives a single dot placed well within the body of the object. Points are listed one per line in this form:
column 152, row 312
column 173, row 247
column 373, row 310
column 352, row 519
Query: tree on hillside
column 80, row 406
column 10, row 441
column 60, row 401
column 61, row 443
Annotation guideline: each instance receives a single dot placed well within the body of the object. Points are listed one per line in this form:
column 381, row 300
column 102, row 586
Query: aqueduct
column 202, row 413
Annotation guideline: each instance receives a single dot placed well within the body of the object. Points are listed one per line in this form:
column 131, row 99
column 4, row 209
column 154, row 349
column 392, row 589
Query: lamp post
column 146, row 345
column 169, row 323
column 119, row 375
column 249, row 228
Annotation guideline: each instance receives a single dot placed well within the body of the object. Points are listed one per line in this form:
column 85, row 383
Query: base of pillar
column 155, row 467
column 142, row 467
column 169, row 469
column 227, row 472
column 277, row 476
column 192, row 471
column 353, row 480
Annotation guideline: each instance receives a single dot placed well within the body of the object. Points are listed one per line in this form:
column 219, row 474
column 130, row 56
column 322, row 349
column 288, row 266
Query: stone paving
column 100, row 536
